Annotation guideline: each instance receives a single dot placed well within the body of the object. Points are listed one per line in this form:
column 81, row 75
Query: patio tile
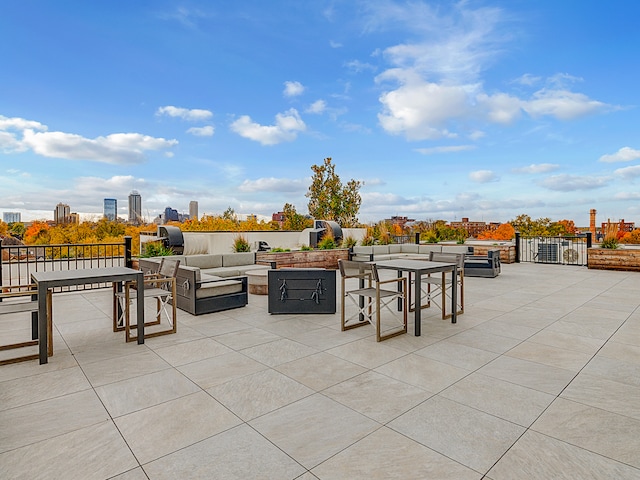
column 539, row 457
column 248, row 337
column 552, row 356
column 377, row 396
column 239, row 453
column 56, row 383
column 611, row 435
column 386, row 454
column 366, row 353
column 259, row 393
column 135, row 474
column 49, row 418
column 482, row 340
column 616, row 370
column 320, row 370
column 91, row 453
column 23, row 370
column 601, row 392
column 189, row 352
column 422, row 372
column 278, row 352
column 145, row 391
column 223, row 368
column 573, row 342
column 219, row 326
column 537, row 376
column 141, row 363
column 454, row 430
column 506, row 400
column 313, row 429
column 458, row 355
column 165, row 428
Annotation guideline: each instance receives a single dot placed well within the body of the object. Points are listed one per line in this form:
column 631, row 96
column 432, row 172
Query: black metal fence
column 564, row 250
column 20, row 261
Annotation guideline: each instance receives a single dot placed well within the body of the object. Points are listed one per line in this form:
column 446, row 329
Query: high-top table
column 419, row 268
column 65, row 278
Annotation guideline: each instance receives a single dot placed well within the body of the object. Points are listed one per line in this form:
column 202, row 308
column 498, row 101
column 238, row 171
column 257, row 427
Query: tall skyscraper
column 171, row 215
column 111, row 209
column 193, row 210
column 62, row 214
column 135, row 208
column 11, row 217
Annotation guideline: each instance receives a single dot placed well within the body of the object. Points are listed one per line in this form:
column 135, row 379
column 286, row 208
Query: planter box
column 507, row 252
column 614, row 259
column 304, row 258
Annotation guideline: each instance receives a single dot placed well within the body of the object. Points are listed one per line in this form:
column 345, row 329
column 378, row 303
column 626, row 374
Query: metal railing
column 564, row 250
column 20, row 261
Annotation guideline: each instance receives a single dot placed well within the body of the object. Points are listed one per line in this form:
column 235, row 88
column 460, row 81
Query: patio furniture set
column 200, row 284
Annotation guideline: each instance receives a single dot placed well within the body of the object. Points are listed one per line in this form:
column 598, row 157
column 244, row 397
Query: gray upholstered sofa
column 208, row 283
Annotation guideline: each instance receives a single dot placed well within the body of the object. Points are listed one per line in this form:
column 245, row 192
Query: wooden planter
column 304, row 258
column 613, row 259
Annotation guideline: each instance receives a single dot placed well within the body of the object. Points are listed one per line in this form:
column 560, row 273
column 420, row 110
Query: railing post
column 589, row 240
column 127, row 252
column 517, row 247
column 417, row 238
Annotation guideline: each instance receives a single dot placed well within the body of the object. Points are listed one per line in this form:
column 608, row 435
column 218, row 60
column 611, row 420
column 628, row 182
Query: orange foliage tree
column 503, row 232
column 37, row 234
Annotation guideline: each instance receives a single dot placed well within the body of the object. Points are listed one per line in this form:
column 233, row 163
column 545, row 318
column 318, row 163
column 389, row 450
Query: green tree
column 329, row 199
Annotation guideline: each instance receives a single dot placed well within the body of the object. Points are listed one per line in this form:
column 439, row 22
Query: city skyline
column 477, row 109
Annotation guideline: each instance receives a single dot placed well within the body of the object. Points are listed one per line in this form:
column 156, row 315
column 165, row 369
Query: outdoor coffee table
column 64, row 278
column 420, row 268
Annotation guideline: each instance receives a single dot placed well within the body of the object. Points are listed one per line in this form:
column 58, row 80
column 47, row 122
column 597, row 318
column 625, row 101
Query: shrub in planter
column 240, row 244
column 156, row 249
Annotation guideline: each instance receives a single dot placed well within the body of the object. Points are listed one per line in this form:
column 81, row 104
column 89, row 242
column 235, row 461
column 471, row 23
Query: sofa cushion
column 410, row 248
column 240, row 258
column 455, row 249
column 363, row 250
column 395, row 248
column 223, row 271
column 222, row 287
column 204, row 261
column 380, row 250
column 195, row 243
column 425, row 249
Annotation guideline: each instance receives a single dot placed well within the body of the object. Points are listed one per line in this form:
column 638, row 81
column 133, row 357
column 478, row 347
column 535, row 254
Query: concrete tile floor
column 539, row 379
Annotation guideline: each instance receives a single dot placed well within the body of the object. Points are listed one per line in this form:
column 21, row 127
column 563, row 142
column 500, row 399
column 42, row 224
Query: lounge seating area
column 208, row 283
column 483, row 265
column 537, row 380
column 372, row 253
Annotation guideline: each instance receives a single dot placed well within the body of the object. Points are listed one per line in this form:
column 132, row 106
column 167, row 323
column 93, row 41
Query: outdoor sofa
column 483, row 265
column 373, row 253
column 208, row 283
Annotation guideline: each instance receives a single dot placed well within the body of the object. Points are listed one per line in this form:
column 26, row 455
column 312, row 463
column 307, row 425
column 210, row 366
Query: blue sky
column 479, row 109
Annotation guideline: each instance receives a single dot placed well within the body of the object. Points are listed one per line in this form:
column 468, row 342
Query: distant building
column 170, row 215
column 401, row 221
column 11, row 217
column 622, row 226
column 74, row 218
column 473, row 228
column 135, row 208
column 62, row 214
column 278, row 217
column 111, row 209
column 193, row 210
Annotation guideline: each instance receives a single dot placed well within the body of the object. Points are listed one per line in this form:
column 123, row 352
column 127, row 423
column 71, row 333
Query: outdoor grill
column 321, row 228
column 172, row 238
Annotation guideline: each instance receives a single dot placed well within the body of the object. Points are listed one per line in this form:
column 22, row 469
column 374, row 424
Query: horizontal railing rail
column 20, row 261
column 559, row 249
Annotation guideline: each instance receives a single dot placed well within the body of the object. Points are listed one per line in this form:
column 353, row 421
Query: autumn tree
column 37, row 234
column 294, row 220
column 504, row 232
column 329, row 199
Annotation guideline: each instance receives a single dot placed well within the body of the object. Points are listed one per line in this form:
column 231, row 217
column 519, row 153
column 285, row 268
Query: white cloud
column 16, row 123
column 445, row 149
column 318, row 107
column 537, row 168
column 293, row 89
column 562, row 104
column 570, row 183
column 483, row 176
column 357, row 66
column 625, row 154
column 286, row 129
column 192, row 115
column 206, row 131
column 117, row 148
column 274, row 185
column 421, row 110
column 501, row 108
column 628, row 172
column 528, row 80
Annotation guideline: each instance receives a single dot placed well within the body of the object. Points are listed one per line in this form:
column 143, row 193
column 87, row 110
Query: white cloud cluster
column 483, row 176
column 537, row 168
column 570, row 183
column 206, row 131
column 274, row 185
column 317, row 107
column 286, row 128
column 117, row 148
column 625, row 154
column 435, row 83
column 293, row 89
column 191, row 115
